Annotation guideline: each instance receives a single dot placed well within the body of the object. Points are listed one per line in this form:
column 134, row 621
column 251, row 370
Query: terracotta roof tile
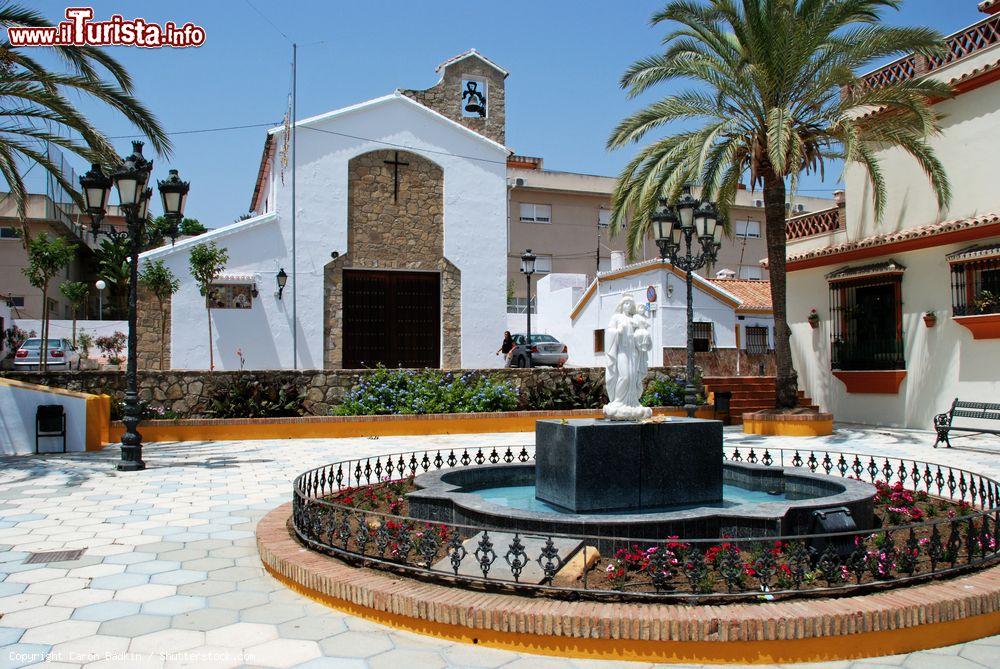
column 899, row 236
column 754, row 295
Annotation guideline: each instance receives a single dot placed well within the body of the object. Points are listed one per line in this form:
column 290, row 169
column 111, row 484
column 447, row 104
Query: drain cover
column 55, row 556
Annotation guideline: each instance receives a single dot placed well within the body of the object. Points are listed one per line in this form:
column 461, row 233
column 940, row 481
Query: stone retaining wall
column 188, row 393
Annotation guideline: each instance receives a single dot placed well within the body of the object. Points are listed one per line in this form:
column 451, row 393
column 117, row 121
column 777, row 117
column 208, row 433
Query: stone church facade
column 400, row 241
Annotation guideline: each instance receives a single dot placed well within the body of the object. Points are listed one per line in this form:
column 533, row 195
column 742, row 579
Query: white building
column 399, row 236
column 872, row 357
column 734, row 325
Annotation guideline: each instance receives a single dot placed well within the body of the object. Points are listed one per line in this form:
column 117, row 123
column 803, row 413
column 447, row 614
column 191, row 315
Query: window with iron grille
column 598, row 341
column 757, row 339
column 866, row 322
column 519, row 305
column 702, row 337
column 975, row 282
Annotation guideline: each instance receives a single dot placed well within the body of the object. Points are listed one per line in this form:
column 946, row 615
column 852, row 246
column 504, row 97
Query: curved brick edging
column 885, row 623
column 813, row 424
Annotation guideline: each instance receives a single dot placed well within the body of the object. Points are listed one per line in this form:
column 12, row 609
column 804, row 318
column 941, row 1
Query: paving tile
column 9, row 635
column 178, row 577
column 88, row 649
column 313, row 628
column 81, row 598
column 205, row 619
column 64, row 630
column 238, row 600
column 119, row 581
column 106, row 568
column 167, row 641
column 356, row 644
column 41, row 615
column 241, row 635
column 145, row 593
column 23, row 655
column 36, row 575
column 108, row 610
column 57, row 585
column 272, row 613
column 153, row 567
column 13, row 603
column 284, row 652
column 206, row 588
column 136, row 625
column 235, row 573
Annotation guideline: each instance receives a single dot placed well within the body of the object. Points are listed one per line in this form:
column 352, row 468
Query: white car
column 60, row 355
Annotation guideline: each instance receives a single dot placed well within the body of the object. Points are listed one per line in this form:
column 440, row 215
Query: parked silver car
column 61, row 354
column 546, row 350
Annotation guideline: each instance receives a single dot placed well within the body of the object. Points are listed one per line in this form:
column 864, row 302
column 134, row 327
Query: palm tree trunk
column 786, row 383
column 211, row 355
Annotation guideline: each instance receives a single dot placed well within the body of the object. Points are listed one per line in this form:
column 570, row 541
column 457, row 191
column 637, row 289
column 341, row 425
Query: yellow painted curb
column 818, row 649
column 788, row 428
column 360, row 426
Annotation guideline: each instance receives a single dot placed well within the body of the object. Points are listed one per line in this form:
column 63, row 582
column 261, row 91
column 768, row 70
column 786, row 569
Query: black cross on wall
column 395, row 162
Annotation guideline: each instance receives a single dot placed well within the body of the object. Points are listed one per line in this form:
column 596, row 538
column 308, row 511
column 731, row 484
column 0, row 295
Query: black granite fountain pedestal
column 602, row 465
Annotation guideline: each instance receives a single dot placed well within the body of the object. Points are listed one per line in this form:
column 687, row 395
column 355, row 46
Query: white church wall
column 474, row 239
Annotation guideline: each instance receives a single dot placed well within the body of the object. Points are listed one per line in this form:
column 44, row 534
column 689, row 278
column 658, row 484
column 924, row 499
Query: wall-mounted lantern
column 282, row 280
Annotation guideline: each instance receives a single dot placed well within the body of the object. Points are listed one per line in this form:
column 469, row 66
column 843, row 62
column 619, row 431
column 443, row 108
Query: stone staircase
column 750, row 393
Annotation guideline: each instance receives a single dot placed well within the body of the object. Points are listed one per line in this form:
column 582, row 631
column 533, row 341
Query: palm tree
column 37, row 111
column 774, row 96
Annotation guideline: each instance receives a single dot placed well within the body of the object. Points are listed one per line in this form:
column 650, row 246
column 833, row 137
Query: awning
column 230, row 279
column 973, row 253
column 885, row 268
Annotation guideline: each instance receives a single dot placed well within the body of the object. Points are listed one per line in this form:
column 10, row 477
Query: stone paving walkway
column 170, row 576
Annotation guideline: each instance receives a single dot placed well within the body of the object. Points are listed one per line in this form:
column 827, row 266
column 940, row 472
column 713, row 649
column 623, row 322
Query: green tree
column 39, row 107
column 161, row 282
column 47, row 256
column 192, row 227
column 76, row 293
column 774, row 96
column 207, row 262
column 113, row 266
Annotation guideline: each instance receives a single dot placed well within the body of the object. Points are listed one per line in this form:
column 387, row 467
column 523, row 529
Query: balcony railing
column 815, row 223
column 960, row 45
column 852, row 353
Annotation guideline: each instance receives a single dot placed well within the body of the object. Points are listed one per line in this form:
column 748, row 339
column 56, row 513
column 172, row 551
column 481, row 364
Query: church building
column 396, row 253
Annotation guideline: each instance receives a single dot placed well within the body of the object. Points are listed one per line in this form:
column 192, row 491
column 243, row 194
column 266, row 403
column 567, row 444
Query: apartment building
column 562, row 217
column 45, row 216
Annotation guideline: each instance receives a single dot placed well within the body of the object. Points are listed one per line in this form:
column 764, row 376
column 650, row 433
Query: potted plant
column 986, row 302
column 930, row 319
column 813, row 318
column 84, row 342
column 112, row 346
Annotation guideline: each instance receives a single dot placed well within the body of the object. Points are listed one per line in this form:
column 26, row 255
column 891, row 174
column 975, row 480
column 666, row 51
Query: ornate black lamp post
column 527, row 269
column 672, row 226
column 130, row 179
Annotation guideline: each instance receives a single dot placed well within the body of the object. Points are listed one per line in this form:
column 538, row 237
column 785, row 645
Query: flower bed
column 714, row 567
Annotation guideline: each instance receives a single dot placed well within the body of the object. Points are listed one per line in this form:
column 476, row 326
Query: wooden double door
column 391, row 318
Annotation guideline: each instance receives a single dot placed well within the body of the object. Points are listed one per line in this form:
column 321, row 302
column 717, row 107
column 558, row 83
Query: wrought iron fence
column 682, row 568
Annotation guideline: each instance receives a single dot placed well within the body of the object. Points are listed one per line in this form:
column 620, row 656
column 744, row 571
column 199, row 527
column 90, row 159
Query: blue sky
column 565, row 58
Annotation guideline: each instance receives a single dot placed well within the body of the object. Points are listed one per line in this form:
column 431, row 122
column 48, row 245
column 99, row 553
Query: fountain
column 631, row 475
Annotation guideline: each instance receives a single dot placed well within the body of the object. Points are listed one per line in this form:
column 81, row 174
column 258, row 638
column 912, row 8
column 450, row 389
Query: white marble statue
column 627, row 345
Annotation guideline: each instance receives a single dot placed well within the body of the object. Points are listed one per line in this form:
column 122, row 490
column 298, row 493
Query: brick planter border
column 885, row 623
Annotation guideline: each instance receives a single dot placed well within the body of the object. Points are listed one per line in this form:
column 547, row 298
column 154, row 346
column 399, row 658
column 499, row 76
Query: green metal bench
column 983, row 411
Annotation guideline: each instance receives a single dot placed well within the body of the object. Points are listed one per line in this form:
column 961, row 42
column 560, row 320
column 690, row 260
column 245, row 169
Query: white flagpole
column 295, row 281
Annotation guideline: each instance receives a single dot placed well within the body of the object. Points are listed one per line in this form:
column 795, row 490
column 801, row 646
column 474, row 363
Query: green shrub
column 245, row 396
column 407, row 391
column 667, row 391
